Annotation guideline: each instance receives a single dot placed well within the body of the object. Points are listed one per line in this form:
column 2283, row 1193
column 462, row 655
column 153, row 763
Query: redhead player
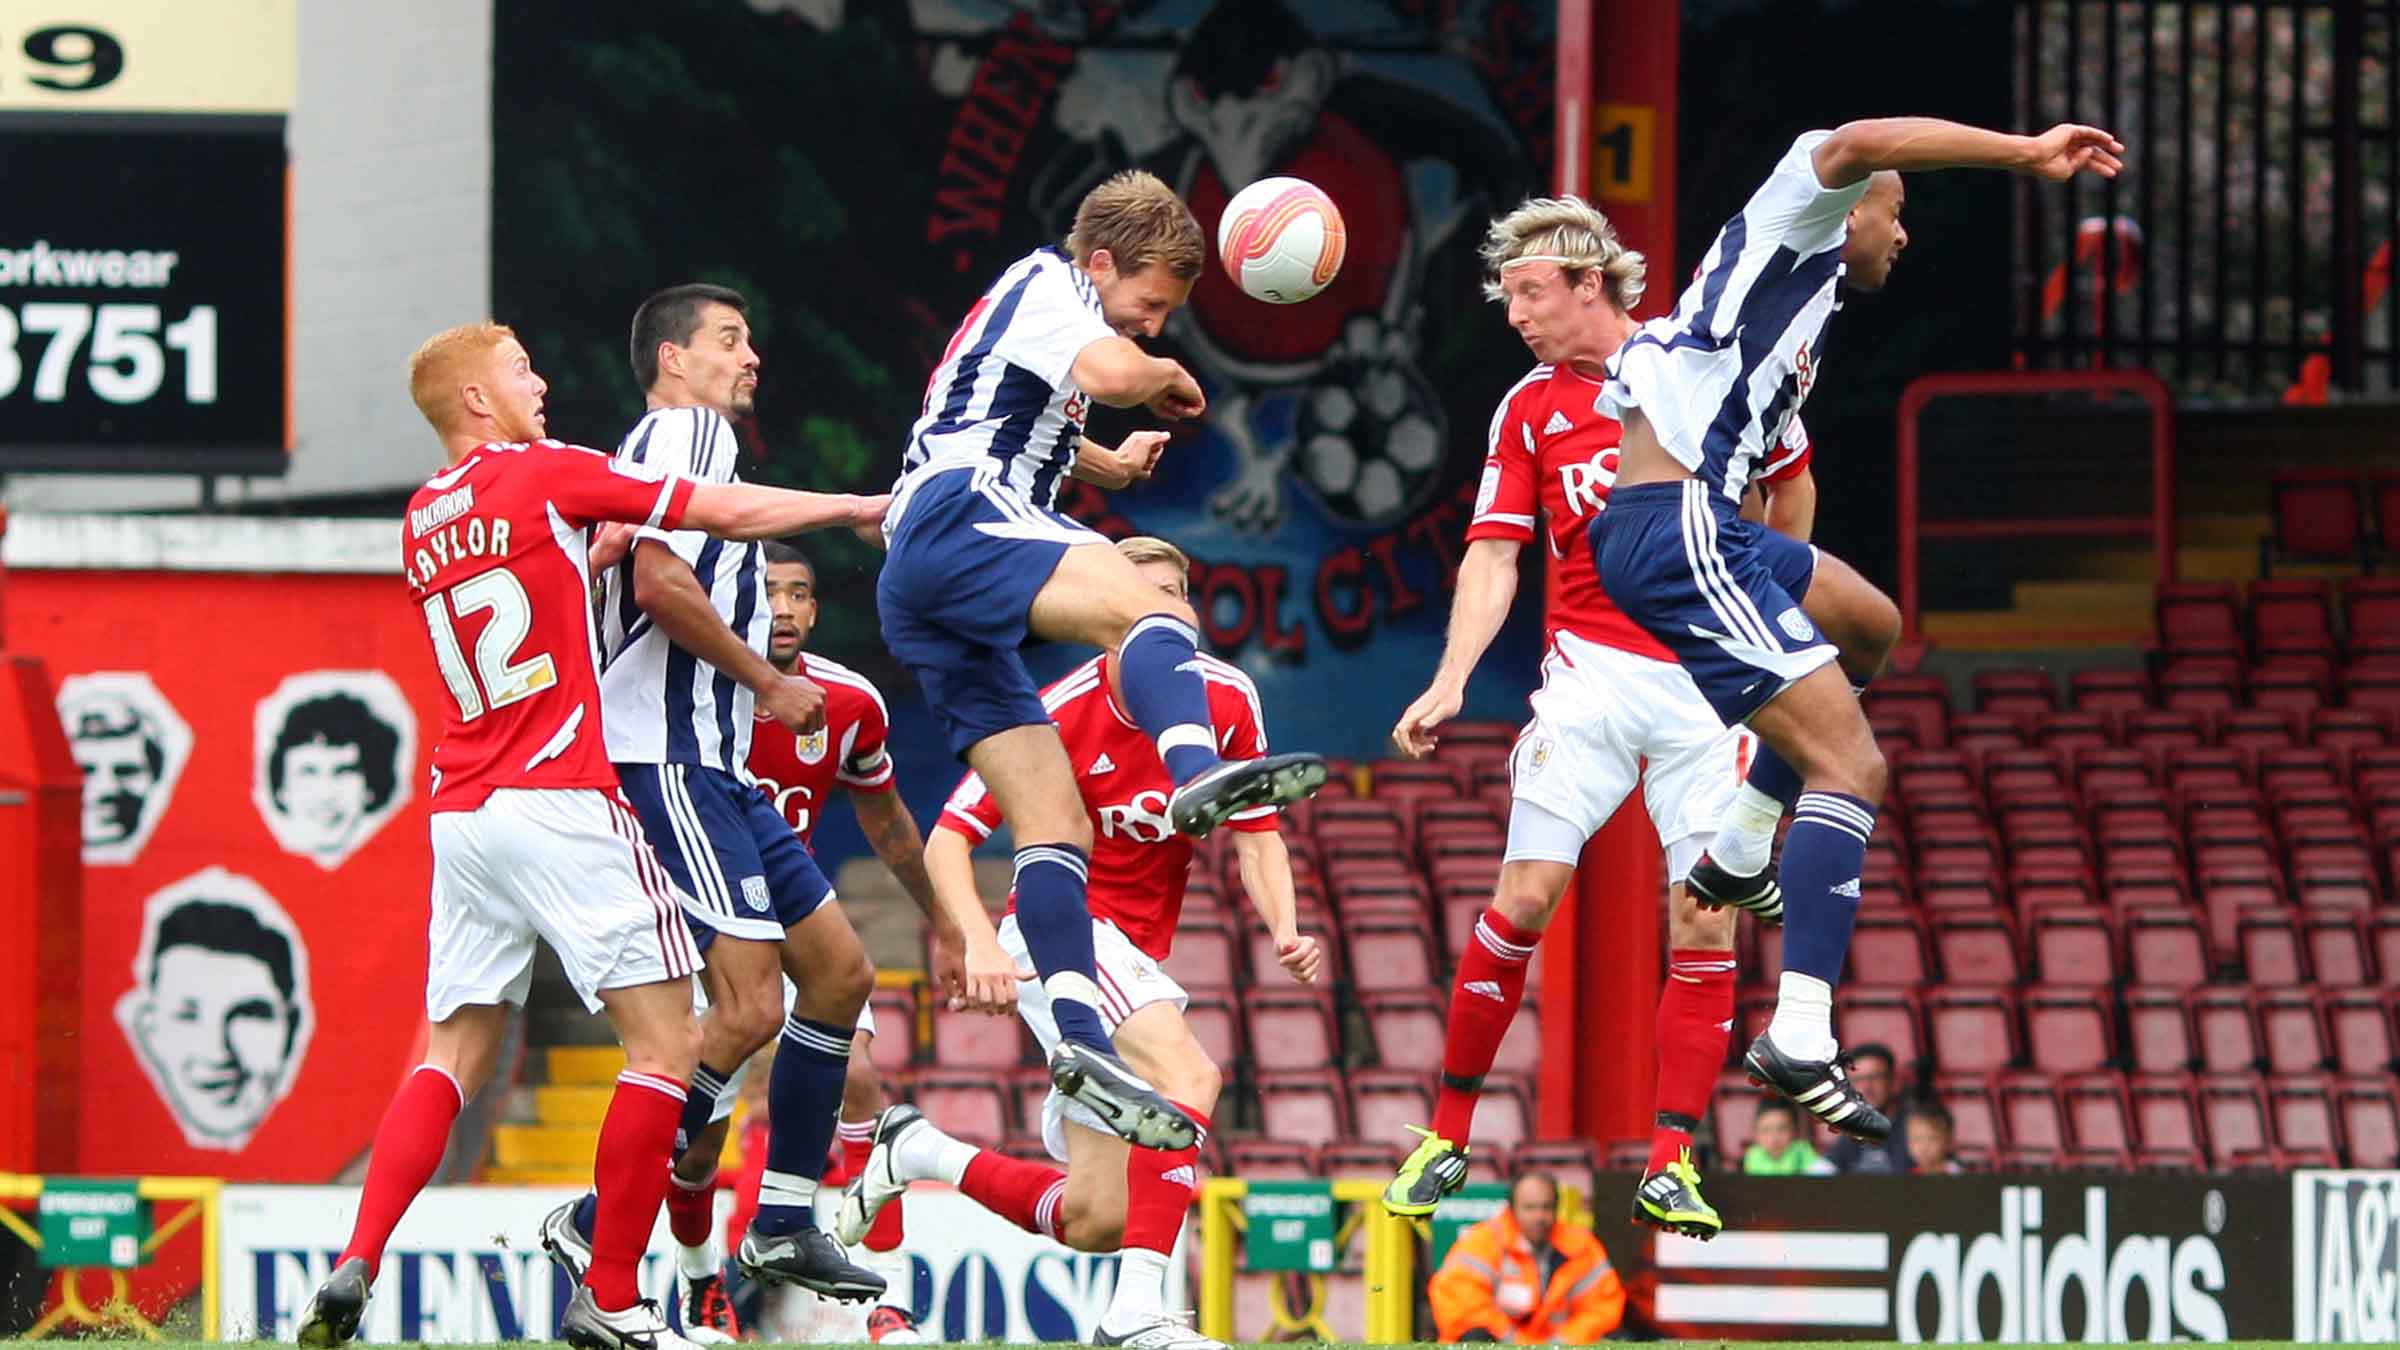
column 1614, row 707
column 530, row 837
column 1113, row 1197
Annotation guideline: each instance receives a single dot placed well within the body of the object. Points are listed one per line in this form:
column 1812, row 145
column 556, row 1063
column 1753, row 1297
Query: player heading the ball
column 981, row 558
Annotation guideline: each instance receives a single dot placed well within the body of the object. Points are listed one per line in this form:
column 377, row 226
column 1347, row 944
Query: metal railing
column 2243, row 254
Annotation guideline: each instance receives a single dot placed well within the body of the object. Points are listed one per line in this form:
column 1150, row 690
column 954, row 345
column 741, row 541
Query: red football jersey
column 798, row 773
column 1551, row 448
column 494, row 548
column 1140, row 862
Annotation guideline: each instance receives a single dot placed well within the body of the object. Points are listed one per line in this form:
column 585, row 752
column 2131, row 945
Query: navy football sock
column 1823, row 856
column 587, row 1213
column 804, row 1095
column 1167, row 697
column 1057, row 924
column 699, row 1103
column 1773, row 778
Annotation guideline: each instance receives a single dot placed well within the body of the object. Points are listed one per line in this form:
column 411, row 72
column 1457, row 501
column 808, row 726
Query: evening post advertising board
column 143, row 235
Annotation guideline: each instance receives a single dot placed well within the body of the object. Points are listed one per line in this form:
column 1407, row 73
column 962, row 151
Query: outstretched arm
column 1487, row 586
column 751, row 511
column 1267, row 875
column 1856, row 149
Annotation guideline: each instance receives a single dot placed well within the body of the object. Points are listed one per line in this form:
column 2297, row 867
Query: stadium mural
column 254, row 949
column 862, row 171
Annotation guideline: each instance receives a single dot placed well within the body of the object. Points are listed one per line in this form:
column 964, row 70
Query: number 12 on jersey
column 497, row 678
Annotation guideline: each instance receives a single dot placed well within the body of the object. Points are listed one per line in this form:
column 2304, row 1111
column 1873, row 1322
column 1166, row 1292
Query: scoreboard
column 144, row 295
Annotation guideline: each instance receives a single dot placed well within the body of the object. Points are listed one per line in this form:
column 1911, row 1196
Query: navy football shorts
column 742, row 870
column 1720, row 592
column 966, row 561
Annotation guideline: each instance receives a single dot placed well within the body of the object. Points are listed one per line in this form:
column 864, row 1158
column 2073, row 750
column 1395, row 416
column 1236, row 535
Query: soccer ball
column 1281, row 240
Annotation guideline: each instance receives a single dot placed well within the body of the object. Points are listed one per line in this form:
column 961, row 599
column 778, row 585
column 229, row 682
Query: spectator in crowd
column 1525, row 1278
column 1930, row 1134
column 1777, row 1148
column 1874, row 1069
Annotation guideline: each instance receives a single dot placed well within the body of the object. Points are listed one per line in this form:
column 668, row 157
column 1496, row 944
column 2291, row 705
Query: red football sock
column 1158, row 1191
column 1024, row 1193
column 1695, row 1015
column 408, row 1148
column 637, row 1141
column 691, row 1210
column 858, row 1140
column 1483, row 1001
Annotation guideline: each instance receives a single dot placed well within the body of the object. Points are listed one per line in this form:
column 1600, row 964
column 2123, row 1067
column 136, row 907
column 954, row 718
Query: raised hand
column 2068, row 149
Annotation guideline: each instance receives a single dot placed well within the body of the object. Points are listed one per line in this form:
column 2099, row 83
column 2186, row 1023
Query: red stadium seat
column 1886, row 1016
column 1202, row 957
column 2337, row 950
column 963, row 1040
column 1406, row 1028
column 2375, row 687
column 1302, row 1108
column 2383, row 933
column 1385, row 1102
column 2225, row 1021
column 2290, row 618
column 2302, row 1112
column 2383, row 488
column 2291, row 1027
column 2165, row 731
column 970, row 1106
column 2068, row 1030
column 2255, row 729
column 1923, row 701
column 1974, row 1115
column 1273, row 1160
column 1386, row 957
column 2099, row 1112
column 1359, row 1160
column 2316, row 520
column 2025, row 777
column 1981, row 733
column 2198, row 618
column 2166, row 948
column 2370, row 1121
column 2371, row 613
column 1266, row 972
column 2070, row 733
column 2346, row 731
column 2236, row 1119
column 1216, row 1022
column 2110, row 691
column 2204, row 687
column 1888, row 948
column 1731, row 1108
column 1573, row 1161
column 2074, row 946
column 2166, row 1116
column 2014, row 691
column 1973, row 1030
column 894, row 1046
column 1292, row 1029
column 2359, row 1024
column 1504, row 1116
column 2291, row 686
column 2272, row 954
column 2030, row 1114
column 2159, row 1023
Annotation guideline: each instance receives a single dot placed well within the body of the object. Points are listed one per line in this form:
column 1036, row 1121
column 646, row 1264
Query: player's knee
column 1692, row 928
column 1090, row 1227
column 753, row 1019
column 1524, row 900
column 1873, row 631
column 1195, row 1083
column 1071, row 828
column 1865, row 767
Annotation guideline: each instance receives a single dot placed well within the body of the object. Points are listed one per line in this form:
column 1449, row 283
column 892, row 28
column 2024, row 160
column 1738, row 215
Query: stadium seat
column 1974, row 1116
column 1302, row 1108
column 2099, row 1112
column 2068, row 1030
column 1731, row 1108
column 2383, row 935
column 2346, row 731
column 1504, row 1116
column 2271, row 952
column 971, row 1106
column 2074, row 946
column 1923, row 701
column 1973, row 1030
column 2225, row 1024
column 965, row 1040
column 2197, row 618
column 1888, row 948
column 2014, row 692
column 1573, row 1161
column 1216, row 1022
column 2207, row 688
column 1202, row 957
column 1359, row 1160
column 1985, row 733
column 1266, row 972
column 1292, row 1029
column 2291, row 686
column 1385, row 1102
column 2301, row 1111
column 2158, row 1023
column 2290, row 618
column 2166, row 1116
column 2358, row 1023
column 2376, row 687
column 1976, row 948
column 1886, row 1016
column 2025, row 776
column 2072, row 733
column 2030, row 1116
column 894, row 1046
column 2291, row 1028
column 2166, row 948
column 2255, row 729
column 2117, row 692
column 2383, row 489
column 1272, row 1160
column 2316, row 520
column 1386, row 957
column 2236, row 1118
column 1405, row 1028
column 2165, row 731
column 2337, row 950
column 2370, row 1120
column 2371, row 614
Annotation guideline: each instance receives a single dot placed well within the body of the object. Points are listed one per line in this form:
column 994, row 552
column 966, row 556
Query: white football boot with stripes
column 879, row 1182
column 1213, row 797
column 1121, row 1097
column 1820, row 1087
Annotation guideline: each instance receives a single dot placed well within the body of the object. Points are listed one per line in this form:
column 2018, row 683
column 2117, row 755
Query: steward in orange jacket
column 1523, row 1277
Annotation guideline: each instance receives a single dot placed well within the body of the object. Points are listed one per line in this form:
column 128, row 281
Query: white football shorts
column 565, row 865
column 1603, row 719
column 1129, row 980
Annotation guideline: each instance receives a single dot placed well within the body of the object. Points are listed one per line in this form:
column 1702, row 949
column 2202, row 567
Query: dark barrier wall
column 1978, row 1258
column 864, row 180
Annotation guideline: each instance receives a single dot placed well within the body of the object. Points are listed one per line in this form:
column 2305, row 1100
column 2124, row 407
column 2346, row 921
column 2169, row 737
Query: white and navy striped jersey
column 1721, row 376
column 1004, row 395
column 660, row 704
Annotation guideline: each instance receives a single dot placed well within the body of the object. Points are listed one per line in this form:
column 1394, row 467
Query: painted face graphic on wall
column 219, row 1014
column 334, row 752
column 131, row 747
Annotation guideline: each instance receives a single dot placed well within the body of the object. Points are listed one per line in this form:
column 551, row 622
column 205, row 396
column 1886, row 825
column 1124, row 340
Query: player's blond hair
column 1568, row 231
column 446, row 361
column 1149, row 548
column 1140, row 221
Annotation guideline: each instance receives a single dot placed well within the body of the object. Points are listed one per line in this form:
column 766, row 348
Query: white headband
column 1561, row 259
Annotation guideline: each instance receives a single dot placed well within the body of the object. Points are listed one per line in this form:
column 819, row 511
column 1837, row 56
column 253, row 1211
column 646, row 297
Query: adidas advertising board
column 2346, row 1257
column 1974, row 1259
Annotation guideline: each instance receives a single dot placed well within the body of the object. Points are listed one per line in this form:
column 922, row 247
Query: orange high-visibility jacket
column 1582, row 1301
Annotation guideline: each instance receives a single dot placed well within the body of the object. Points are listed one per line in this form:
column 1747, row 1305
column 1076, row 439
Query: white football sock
column 1803, row 1025
column 1746, row 837
column 927, row 1154
column 1141, row 1297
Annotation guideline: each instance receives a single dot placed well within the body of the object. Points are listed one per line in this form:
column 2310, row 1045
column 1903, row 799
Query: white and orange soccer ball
column 1281, row 240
